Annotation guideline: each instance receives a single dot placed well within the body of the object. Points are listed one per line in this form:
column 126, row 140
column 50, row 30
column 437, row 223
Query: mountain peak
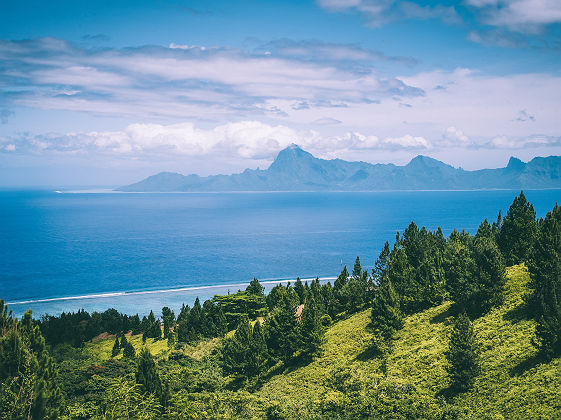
column 421, row 161
column 515, row 164
column 288, row 156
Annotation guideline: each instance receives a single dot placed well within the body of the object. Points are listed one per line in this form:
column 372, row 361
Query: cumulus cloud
column 187, row 81
column 244, row 139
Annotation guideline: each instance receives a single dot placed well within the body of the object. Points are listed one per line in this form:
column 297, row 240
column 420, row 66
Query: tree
column 128, row 351
column 236, row 350
column 28, row 376
column 463, row 363
column 518, row 231
column 386, row 316
column 382, row 264
column 545, row 273
column 283, row 337
column 168, row 317
column 311, row 330
column 116, row 347
column 300, row 290
column 258, row 353
column 255, row 288
column 147, row 375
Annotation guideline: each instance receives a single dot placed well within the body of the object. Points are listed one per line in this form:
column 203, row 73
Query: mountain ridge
column 295, row 169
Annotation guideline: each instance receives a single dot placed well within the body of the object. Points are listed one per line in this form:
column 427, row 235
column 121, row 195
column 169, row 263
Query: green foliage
column 386, row 315
column 258, row 356
column 128, row 351
column 28, row 376
column 545, row 268
column 255, row 288
column 146, row 374
column 116, row 347
column 124, row 400
column 462, row 355
column 236, row 350
column 282, row 331
column 241, row 303
column 518, row 231
column 311, row 331
column 475, row 274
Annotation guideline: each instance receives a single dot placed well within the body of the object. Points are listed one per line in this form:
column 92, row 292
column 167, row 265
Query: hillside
column 295, row 169
column 348, row 381
column 511, row 384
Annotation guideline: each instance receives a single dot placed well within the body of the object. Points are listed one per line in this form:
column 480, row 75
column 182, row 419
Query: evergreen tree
column 341, row 279
column 311, row 330
column 283, row 337
column 168, row 317
column 484, row 230
column 258, row 353
column 463, row 364
column 386, row 316
column 460, row 268
column 545, row 273
column 382, row 264
column 28, row 376
column 357, row 269
column 236, row 350
column 116, row 347
column 147, row 375
column 255, row 288
column 518, row 231
column 300, row 290
column 123, row 342
column 128, row 351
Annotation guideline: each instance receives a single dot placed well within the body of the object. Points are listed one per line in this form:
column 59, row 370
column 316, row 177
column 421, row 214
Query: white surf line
column 147, row 292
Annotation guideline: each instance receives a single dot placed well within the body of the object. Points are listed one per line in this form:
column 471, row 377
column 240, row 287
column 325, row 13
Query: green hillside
column 512, row 384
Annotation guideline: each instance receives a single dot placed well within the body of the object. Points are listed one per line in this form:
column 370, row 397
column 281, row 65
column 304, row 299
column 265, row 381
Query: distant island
column 295, row 169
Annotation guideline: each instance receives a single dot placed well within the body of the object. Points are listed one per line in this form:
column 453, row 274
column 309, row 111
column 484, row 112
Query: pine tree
column 116, row 347
column 463, row 364
column 147, row 375
column 28, row 375
column 258, row 353
column 518, row 231
column 255, row 288
column 311, row 330
column 341, row 279
column 128, row 351
column 235, row 353
column 545, row 273
column 300, row 290
column 382, row 264
column 168, row 317
column 283, row 337
column 357, row 269
column 386, row 316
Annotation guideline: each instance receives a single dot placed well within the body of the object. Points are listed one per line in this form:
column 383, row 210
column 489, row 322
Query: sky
column 105, row 93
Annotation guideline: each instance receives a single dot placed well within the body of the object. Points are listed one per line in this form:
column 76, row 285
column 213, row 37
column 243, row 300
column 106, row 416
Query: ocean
column 139, row 252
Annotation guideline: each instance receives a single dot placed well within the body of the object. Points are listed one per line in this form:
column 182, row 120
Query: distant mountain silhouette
column 295, row 169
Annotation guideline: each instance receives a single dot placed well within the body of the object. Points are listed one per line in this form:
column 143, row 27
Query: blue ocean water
column 81, row 245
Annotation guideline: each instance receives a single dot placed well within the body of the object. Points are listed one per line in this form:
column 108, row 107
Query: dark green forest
column 351, row 349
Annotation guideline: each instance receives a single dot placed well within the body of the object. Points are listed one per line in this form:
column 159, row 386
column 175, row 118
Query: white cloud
column 244, row 139
column 519, row 15
column 187, row 81
column 10, row 147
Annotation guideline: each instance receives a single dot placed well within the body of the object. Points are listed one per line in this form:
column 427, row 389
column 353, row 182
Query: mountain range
column 295, row 169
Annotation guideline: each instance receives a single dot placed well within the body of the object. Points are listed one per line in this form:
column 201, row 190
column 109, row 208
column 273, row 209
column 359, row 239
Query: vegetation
column 438, row 329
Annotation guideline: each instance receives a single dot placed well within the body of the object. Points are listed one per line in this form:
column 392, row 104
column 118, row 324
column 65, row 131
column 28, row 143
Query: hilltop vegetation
column 438, row 329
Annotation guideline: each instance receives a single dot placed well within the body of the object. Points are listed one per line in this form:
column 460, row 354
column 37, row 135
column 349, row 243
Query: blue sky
column 106, row 92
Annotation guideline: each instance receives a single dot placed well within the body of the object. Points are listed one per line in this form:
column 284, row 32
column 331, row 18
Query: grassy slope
column 511, row 384
column 100, row 348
